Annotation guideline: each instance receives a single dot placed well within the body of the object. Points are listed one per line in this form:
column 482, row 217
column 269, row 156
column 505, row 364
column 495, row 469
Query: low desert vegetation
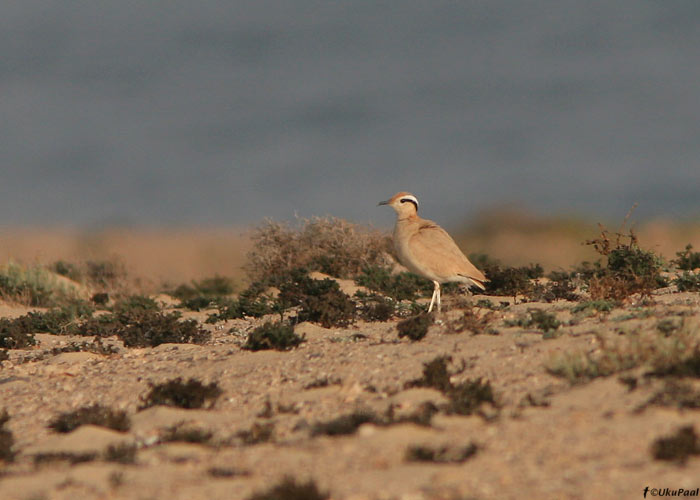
column 677, row 447
column 346, row 424
column 279, row 336
column 318, row 301
column 327, row 244
column 289, row 489
column 445, row 454
column 91, row 415
column 100, row 275
column 676, row 354
column 472, row 321
column 191, row 394
column 537, row 319
column 626, row 327
column 375, row 307
column 122, row 454
column 185, row 433
column 687, row 260
column 398, row 286
column 675, row 394
column 259, row 432
column 34, row 286
column 14, row 336
column 7, row 440
column 629, row 269
column 415, row 327
column 465, row 398
column 279, row 265
column 205, row 293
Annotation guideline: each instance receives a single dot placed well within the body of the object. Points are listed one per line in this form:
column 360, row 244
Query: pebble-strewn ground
column 544, row 439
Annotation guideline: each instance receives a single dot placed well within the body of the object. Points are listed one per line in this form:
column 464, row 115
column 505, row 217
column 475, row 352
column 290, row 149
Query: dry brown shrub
column 328, row 244
column 610, row 288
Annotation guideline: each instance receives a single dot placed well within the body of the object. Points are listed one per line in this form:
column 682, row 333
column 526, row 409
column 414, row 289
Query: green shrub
column 7, row 440
column 465, row 398
column 441, row 454
column 253, row 302
column 415, row 327
column 124, row 453
column 13, row 335
column 687, row 260
column 400, row 286
column 595, row 305
column 155, row 328
column 511, row 281
column 133, row 305
column 289, row 489
column 539, row 319
column 560, row 287
column 675, row 394
column 320, row 301
column 145, row 328
column 688, row 282
column 435, row 375
column 189, row 395
column 91, row 415
column 200, row 294
column 375, row 307
column 59, row 321
column 279, row 336
column 629, row 269
column 677, row 447
column 185, row 433
column 345, row 424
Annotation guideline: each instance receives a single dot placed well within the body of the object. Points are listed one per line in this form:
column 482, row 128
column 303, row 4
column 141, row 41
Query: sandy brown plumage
column 427, row 250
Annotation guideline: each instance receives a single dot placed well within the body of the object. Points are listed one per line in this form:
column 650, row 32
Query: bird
column 427, row 250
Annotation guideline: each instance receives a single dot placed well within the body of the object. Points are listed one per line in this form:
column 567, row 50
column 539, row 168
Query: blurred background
column 128, row 127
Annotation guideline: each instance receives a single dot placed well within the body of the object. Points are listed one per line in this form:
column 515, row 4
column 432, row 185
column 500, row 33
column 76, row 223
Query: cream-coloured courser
column 427, row 250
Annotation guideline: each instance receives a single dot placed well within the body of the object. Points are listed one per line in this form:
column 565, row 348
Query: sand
column 544, row 439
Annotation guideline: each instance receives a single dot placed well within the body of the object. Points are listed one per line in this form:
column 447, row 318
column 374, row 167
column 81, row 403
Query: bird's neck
column 408, row 217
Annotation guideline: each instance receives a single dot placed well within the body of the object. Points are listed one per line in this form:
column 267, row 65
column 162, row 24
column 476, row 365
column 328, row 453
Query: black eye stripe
column 409, row 200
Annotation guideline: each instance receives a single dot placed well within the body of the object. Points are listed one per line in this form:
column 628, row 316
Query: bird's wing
column 432, row 244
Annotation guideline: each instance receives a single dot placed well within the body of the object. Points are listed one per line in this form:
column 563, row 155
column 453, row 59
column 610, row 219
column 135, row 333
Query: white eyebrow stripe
column 412, row 199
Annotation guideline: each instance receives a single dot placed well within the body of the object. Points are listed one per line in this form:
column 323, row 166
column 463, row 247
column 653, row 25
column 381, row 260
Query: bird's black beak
column 385, row 202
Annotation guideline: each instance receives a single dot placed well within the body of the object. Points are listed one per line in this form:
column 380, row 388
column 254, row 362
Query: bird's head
column 404, row 203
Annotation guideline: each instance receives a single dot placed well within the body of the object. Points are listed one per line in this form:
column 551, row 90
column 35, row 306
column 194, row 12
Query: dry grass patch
column 327, row 244
column 35, row 286
column 666, row 355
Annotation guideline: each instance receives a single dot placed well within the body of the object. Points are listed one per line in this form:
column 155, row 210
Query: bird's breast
column 402, row 238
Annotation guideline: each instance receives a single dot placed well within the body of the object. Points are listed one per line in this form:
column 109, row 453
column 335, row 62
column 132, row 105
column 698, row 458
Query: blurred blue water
column 216, row 112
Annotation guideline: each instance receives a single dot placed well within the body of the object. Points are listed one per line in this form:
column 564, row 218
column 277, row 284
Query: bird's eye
column 410, row 200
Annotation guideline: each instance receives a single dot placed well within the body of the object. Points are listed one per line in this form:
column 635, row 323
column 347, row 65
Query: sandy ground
column 582, row 442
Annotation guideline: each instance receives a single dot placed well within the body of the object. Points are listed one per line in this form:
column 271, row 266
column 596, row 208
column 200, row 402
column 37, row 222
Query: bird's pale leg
column 436, row 291
column 439, row 302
